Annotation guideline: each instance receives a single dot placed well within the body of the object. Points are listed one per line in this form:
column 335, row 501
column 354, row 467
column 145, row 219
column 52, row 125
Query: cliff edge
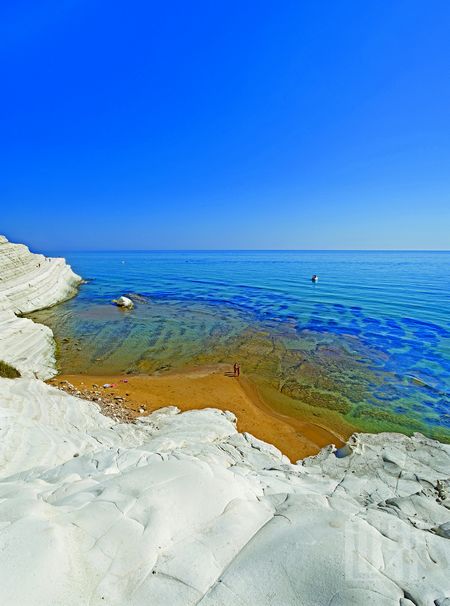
column 29, row 282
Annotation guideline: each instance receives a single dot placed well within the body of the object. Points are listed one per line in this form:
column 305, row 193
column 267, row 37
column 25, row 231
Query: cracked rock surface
column 181, row 509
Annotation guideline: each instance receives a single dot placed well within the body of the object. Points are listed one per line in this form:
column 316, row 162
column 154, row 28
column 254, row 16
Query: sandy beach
column 213, row 387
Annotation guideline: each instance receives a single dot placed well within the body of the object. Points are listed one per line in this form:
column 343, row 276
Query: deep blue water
column 392, row 308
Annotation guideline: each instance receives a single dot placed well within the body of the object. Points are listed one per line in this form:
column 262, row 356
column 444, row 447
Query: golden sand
column 215, row 387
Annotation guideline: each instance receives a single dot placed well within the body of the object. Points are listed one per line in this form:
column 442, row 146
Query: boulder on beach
column 124, row 302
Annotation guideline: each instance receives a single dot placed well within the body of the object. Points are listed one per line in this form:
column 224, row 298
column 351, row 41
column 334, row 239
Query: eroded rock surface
column 181, row 509
column 29, row 282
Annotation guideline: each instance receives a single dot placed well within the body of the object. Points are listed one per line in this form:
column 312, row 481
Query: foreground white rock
column 180, row 509
column 29, row 282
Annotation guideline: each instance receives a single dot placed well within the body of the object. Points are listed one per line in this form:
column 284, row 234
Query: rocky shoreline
column 110, row 404
column 182, row 509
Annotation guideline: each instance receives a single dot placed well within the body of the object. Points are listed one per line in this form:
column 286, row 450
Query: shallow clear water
column 373, row 333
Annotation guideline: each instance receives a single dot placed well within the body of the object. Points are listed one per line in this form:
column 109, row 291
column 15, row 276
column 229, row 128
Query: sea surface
column 370, row 340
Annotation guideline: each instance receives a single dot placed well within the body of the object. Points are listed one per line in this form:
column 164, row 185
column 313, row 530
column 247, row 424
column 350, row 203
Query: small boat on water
column 315, row 278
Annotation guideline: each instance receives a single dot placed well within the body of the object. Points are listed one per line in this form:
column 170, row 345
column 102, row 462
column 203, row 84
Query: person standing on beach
column 235, row 366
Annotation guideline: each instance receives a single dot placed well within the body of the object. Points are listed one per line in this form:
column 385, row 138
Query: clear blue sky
column 223, row 124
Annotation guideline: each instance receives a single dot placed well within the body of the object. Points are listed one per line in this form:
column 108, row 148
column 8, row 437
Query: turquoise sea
column 371, row 339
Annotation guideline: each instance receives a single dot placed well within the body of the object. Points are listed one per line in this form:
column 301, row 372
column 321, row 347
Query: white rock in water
column 124, row 302
column 29, row 282
column 181, row 509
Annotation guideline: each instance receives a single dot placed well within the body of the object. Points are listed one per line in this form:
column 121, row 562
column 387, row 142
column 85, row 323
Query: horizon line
column 221, row 250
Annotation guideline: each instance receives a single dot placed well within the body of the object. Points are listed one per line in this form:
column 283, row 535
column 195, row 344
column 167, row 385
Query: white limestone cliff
column 29, row 282
column 27, row 346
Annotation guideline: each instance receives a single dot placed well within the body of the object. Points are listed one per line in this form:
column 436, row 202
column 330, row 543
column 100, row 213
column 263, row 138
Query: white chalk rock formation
column 124, row 302
column 29, row 282
column 27, row 346
column 181, row 509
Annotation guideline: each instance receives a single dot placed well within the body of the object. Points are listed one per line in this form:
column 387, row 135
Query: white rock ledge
column 29, row 282
column 181, row 509
column 27, row 346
